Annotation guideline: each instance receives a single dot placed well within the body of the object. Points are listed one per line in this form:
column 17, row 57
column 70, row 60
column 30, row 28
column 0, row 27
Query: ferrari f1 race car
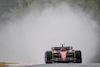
column 63, row 54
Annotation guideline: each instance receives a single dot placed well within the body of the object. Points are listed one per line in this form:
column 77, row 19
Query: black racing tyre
column 78, row 56
column 48, row 57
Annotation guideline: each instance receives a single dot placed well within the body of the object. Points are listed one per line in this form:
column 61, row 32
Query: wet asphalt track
column 65, row 65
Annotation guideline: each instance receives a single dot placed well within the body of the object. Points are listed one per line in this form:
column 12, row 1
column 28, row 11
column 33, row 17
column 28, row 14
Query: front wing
column 67, row 59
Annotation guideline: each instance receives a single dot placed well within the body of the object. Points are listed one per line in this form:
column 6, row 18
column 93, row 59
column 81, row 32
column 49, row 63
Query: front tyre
column 78, row 56
column 48, row 57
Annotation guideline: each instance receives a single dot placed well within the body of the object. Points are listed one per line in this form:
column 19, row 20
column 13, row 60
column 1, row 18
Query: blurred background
column 28, row 28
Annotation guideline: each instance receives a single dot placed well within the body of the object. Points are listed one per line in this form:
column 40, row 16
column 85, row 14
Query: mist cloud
column 26, row 39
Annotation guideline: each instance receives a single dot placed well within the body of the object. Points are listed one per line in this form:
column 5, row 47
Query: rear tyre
column 48, row 57
column 78, row 56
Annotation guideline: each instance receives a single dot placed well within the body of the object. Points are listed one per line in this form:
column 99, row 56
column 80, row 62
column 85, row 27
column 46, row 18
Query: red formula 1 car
column 63, row 54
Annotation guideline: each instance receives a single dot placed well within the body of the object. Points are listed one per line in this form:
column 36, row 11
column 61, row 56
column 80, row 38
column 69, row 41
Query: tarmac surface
column 65, row 65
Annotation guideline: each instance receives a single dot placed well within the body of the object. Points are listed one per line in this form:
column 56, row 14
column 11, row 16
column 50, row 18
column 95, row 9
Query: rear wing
column 59, row 48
